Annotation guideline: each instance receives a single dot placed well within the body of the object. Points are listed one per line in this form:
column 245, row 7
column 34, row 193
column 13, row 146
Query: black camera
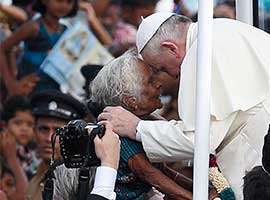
column 78, row 151
column 77, row 145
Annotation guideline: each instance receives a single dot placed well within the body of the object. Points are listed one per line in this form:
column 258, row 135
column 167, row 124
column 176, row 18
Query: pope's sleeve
column 166, row 141
column 170, row 141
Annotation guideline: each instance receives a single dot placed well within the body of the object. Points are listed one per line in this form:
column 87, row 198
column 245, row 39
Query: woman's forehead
column 144, row 68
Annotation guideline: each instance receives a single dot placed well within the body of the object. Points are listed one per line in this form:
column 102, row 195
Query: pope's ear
column 129, row 102
column 172, row 47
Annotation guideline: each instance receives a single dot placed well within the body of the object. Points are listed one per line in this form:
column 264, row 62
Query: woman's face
column 150, row 91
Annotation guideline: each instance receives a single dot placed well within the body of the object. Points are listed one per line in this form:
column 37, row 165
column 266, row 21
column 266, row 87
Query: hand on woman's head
column 124, row 122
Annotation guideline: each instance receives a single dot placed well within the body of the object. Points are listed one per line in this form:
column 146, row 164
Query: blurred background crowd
column 29, row 30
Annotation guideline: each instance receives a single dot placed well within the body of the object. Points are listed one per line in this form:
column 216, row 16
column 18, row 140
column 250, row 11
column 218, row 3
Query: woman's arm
column 143, row 169
column 179, row 178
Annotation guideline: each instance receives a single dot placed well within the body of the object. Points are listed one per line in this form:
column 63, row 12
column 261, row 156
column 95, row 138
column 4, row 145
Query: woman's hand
column 213, row 194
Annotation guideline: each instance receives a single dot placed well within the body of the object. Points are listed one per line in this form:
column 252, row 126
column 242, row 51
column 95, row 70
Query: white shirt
column 104, row 182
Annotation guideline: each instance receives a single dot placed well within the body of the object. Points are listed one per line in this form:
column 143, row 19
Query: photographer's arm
column 107, row 149
column 104, row 182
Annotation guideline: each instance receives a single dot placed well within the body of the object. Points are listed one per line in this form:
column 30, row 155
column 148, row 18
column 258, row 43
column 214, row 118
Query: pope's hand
column 124, row 122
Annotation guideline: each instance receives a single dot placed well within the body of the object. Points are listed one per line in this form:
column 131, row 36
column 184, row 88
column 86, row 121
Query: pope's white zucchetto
column 149, row 27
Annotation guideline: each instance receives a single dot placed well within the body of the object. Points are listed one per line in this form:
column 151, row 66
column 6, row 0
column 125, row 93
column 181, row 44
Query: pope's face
column 168, row 61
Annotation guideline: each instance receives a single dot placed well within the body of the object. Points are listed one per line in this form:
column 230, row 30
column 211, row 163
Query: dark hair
column 38, row 6
column 5, row 169
column 15, row 104
column 256, row 185
column 266, row 151
column 139, row 3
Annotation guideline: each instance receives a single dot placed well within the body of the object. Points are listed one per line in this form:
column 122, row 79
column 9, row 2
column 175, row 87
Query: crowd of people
column 144, row 96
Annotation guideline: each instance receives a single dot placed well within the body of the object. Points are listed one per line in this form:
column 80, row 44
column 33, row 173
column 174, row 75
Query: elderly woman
column 128, row 82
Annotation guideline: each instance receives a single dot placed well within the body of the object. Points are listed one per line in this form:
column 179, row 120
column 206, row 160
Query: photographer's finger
column 109, row 135
column 89, row 130
column 97, row 140
column 108, row 125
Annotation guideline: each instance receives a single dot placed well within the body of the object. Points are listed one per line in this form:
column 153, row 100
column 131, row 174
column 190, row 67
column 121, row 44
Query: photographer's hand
column 108, row 151
column 108, row 147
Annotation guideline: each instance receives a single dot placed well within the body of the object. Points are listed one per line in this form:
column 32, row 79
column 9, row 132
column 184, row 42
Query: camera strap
column 83, row 187
column 47, row 193
column 84, row 177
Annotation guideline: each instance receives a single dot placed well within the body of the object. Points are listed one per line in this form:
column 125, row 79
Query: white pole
column 244, row 11
column 203, row 93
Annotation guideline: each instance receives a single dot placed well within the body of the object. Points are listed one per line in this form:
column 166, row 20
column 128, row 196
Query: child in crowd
column 19, row 122
column 123, row 34
column 39, row 36
column 7, row 181
column 122, row 18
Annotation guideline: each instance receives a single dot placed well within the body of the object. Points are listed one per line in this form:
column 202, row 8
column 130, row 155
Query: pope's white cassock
column 240, row 103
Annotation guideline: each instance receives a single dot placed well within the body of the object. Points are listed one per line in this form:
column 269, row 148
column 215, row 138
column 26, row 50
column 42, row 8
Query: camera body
column 77, row 145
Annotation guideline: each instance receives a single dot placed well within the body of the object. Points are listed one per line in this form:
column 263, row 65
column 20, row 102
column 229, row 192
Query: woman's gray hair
column 118, row 78
column 171, row 29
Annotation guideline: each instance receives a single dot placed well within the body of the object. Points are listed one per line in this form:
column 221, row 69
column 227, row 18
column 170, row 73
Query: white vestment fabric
column 240, row 103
